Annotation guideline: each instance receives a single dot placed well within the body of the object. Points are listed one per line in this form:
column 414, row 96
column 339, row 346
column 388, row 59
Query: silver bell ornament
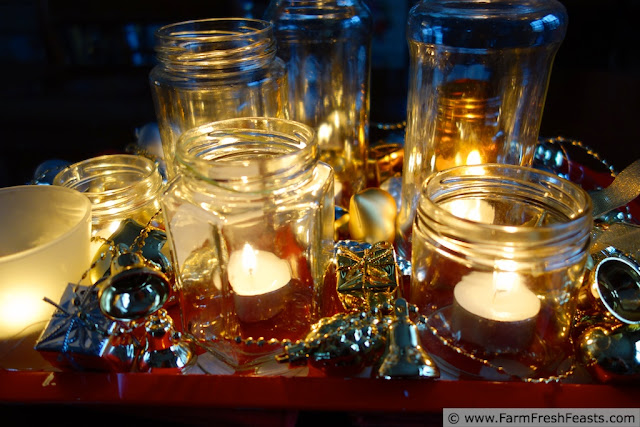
column 616, row 279
column 607, row 327
column 405, row 357
column 133, row 290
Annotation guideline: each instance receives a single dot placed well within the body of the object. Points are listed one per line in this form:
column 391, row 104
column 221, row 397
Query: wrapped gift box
column 79, row 337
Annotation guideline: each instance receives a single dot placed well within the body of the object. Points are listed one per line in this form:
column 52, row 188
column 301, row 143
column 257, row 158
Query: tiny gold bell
column 164, row 348
column 405, row 357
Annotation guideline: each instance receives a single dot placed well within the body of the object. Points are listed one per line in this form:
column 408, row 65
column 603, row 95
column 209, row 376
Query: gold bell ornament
column 405, row 357
column 136, row 290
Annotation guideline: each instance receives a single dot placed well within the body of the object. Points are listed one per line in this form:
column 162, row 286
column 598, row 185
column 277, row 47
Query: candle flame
column 505, row 276
column 249, row 258
column 503, row 281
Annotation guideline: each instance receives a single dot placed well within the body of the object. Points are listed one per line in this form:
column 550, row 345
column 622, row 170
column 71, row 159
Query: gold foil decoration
column 364, row 276
column 343, row 343
column 372, row 216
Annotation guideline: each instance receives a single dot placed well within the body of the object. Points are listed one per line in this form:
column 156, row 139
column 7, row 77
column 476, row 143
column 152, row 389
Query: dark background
column 75, row 75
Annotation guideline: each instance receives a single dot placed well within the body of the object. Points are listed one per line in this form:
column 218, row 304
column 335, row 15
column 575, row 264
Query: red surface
column 303, row 393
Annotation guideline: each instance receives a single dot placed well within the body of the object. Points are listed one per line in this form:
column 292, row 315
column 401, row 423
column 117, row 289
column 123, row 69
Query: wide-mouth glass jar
column 250, row 222
column 326, row 46
column 119, row 186
column 214, row 69
column 498, row 258
column 478, row 78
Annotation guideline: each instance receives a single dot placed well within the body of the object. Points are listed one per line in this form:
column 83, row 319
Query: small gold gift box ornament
column 375, row 331
column 367, row 274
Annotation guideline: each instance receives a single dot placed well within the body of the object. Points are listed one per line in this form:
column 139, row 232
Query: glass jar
column 214, row 69
column 478, row 78
column 120, row 187
column 327, row 48
column 498, row 259
column 250, row 221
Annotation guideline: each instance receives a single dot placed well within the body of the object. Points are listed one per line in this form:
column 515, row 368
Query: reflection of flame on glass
column 473, row 210
column 324, row 133
column 474, row 158
column 468, row 127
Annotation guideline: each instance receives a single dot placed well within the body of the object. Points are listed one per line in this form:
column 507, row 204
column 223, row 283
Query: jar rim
column 227, row 45
column 433, row 190
column 247, row 149
column 80, row 174
column 200, row 28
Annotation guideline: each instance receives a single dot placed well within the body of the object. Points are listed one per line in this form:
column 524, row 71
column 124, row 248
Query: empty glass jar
column 250, row 221
column 478, row 79
column 214, row 69
column 119, row 186
column 498, row 259
column 326, row 46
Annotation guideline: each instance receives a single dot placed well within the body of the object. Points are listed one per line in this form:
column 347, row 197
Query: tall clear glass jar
column 120, row 187
column 250, row 221
column 214, row 69
column 498, row 259
column 326, row 46
column 478, row 78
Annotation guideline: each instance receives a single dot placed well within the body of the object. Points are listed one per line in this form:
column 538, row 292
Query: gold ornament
column 607, row 323
column 341, row 344
column 405, row 357
column 164, row 347
column 372, row 216
column 611, row 355
column 367, row 275
column 346, row 343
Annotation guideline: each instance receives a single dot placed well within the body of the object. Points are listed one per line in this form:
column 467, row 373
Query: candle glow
column 256, row 272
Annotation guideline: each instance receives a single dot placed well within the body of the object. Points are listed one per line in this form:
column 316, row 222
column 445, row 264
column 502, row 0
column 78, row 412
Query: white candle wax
column 494, row 311
column 256, row 272
column 260, row 281
column 497, row 296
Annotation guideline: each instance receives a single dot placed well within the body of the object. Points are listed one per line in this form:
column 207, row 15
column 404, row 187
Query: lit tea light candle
column 260, row 281
column 495, row 311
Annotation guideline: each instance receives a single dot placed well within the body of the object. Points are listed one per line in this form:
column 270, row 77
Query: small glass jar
column 120, row 187
column 498, row 259
column 214, row 69
column 326, row 46
column 478, row 78
column 250, row 221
